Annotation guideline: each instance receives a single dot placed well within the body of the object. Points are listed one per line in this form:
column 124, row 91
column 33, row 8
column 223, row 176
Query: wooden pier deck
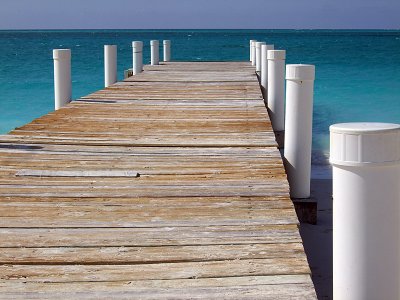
column 168, row 185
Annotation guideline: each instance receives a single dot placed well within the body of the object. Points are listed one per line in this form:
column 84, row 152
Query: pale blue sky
column 149, row 14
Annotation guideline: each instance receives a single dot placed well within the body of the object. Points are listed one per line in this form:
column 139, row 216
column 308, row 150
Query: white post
column 264, row 67
column 155, row 52
column 110, row 65
column 62, row 77
column 137, row 48
column 251, row 49
column 298, row 128
column 167, row 50
column 366, row 210
column 253, row 52
column 276, row 88
column 258, row 55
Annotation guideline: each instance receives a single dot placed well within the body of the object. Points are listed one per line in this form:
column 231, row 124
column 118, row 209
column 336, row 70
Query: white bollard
column 258, row 55
column 110, row 65
column 276, row 88
column 298, row 128
column 264, row 67
column 155, row 52
column 137, row 48
column 253, row 52
column 366, row 210
column 167, row 50
column 62, row 77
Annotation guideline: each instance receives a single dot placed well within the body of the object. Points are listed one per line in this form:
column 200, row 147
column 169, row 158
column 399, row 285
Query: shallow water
column 357, row 72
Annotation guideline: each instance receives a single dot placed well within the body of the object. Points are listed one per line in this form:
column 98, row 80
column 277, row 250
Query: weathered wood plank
column 209, row 217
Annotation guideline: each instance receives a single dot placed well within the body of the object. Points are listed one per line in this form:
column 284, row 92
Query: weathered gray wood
column 209, row 217
column 77, row 173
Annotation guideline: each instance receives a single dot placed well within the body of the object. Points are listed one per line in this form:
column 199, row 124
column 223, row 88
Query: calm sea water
column 357, row 72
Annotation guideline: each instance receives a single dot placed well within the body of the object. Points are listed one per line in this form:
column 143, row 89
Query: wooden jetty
column 168, row 185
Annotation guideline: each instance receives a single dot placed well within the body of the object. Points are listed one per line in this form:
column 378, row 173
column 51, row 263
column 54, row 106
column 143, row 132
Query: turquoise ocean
column 357, row 72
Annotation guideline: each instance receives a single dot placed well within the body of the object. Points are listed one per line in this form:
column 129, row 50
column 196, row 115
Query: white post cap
column 258, row 44
column 61, row 53
column 276, row 54
column 365, row 144
column 252, row 41
column 300, row 72
column 154, row 43
column 166, row 42
column 137, row 46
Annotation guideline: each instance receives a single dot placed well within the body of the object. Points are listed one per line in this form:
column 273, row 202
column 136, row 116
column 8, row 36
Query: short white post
column 366, row 210
column 298, row 128
column 110, row 65
column 264, row 67
column 253, row 52
column 62, row 77
column 258, row 55
column 155, row 52
column 276, row 88
column 167, row 50
column 137, row 48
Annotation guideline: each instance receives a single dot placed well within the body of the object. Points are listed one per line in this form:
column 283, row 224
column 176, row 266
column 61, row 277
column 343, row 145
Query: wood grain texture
column 168, row 185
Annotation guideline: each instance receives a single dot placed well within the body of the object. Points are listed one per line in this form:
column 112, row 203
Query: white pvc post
column 264, row 67
column 276, row 88
column 155, row 52
column 298, row 128
column 251, row 49
column 110, row 65
column 366, row 210
column 167, row 50
column 258, row 55
column 137, row 49
column 62, row 77
column 253, row 52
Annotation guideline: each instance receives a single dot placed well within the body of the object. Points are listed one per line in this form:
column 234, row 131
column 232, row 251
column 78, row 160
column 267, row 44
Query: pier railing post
column 167, row 50
column 264, row 68
column 155, row 52
column 366, row 210
column 253, row 52
column 110, row 65
column 251, row 49
column 258, row 55
column 276, row 88
column 298, row 128
column 137, row 49
column 62, row 77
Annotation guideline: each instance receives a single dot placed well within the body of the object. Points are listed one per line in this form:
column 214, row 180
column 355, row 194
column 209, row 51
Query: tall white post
column 137, row 48
column 276, row 88
column 110, row 65
column 253, row 52
column 298, row 128
column 62, row 77
column 155, row 52
column 264, row 67
column 366, row 210
column 167, row 50
column 258, row 55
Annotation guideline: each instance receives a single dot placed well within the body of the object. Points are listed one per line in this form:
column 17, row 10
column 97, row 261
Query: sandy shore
column 318, row 238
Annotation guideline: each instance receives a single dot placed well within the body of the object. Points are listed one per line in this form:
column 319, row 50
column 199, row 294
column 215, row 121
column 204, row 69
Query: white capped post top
column 300, row 72
column 137, row 46
column 61, row 53
column 365, row 144
column 276, row 54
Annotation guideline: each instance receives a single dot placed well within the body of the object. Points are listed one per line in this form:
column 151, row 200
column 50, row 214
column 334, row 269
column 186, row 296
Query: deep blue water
column 357, row 72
